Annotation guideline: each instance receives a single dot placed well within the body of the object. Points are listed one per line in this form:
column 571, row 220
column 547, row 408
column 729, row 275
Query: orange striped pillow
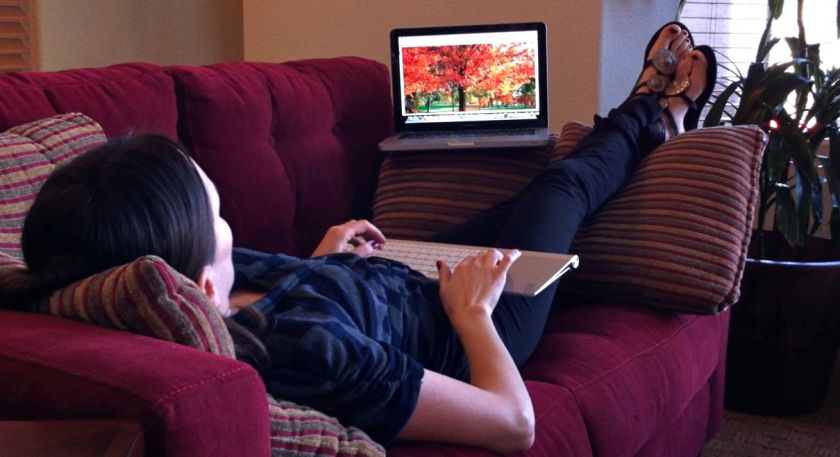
column 675, row 237
column 420, row 194
column 28, row 154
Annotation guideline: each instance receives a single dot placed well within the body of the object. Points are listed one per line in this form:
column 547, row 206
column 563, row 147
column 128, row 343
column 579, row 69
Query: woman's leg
column 547, row 214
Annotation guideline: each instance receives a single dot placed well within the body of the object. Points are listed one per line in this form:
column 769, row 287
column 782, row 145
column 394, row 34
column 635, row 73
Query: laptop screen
column 473, row 76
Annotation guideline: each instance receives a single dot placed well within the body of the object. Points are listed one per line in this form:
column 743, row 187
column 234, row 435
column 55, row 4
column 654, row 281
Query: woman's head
column 133, row 196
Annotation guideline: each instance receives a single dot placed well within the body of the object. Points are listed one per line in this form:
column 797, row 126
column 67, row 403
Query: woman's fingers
column 358, row 236
column 363, row 229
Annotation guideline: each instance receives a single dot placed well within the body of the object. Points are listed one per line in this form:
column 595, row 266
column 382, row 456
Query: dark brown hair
column 133, row 196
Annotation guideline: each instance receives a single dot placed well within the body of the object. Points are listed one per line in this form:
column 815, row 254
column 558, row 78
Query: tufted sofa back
column 290, row 146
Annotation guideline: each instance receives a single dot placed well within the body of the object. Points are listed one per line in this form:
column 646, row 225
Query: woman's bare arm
column 494, row 411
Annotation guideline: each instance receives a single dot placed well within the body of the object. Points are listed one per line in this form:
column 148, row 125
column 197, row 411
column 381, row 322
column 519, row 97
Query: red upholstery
column 292, row 148
column 272, row 135
column 190, row 403
column 122, row 98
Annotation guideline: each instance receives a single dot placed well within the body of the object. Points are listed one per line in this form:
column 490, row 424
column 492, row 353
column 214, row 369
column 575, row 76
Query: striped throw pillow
column 28, row 154
column 420, row 194
column 301, row 431
column 675, row 237
column 146, row 297
column 150, row 298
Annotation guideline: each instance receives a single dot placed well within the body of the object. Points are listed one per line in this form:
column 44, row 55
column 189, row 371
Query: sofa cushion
column 189, row 402
column 291, row 147
column 28, row 154
column 674, row 238
column 631, row 371
column 124, row 98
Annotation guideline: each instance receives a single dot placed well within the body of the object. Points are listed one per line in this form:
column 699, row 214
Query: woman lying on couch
column 377, row 345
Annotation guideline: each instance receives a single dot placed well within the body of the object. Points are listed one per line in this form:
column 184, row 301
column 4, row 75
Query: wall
column 584, row 77
column 627, row 28
column 279, row 31
column 90, row 33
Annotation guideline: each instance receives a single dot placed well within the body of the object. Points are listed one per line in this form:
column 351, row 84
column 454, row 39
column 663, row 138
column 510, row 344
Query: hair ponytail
column 22, row 289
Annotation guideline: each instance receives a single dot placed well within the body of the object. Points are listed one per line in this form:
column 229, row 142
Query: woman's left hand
column 357, row 236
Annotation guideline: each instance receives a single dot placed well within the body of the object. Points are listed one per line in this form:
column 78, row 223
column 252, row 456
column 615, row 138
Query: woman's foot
column 686, row 95
column 684, row 91
column 664, row 51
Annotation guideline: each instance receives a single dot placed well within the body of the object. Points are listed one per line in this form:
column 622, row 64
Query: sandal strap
column 672, row 122
column 692, row 104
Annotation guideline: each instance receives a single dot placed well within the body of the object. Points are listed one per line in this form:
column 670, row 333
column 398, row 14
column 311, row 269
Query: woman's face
column 221, row 270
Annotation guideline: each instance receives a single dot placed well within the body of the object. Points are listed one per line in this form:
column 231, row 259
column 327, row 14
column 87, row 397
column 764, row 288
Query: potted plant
column 785, row 329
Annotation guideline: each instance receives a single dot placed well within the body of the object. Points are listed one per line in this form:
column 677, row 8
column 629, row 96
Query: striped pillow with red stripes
column 28, row 154
column 675, row 237
column 420, row 194
column 148, row 297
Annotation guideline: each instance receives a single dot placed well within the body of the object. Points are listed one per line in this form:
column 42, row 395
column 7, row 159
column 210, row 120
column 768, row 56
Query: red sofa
column 607, row 379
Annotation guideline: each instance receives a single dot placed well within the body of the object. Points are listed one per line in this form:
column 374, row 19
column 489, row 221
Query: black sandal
column 693, row 116
column 663, row 61
column 657, row 132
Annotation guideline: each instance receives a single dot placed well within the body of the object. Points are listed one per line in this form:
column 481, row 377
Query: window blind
column 15, row 42
column 732, row 27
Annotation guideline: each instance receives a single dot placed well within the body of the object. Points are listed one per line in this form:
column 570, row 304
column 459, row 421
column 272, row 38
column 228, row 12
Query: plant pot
column 784, row 332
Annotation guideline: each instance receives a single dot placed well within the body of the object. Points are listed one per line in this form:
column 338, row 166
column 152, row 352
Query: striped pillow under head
column 675, row 237
column 28, row 154
column 145, row 297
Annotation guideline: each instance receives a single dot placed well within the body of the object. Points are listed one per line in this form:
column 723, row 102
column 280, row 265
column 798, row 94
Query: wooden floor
column 810, row 435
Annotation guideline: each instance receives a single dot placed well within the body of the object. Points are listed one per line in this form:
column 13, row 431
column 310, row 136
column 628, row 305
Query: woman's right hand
column 474, row 286
column 494, row 410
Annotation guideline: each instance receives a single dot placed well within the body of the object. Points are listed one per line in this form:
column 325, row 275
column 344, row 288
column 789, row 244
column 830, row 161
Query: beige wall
column 288, row 30
column 584, row 76
column 279, row 31
column 90, row 33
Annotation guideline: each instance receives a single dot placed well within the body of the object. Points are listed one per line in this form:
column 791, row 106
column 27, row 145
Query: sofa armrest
column 189, row 402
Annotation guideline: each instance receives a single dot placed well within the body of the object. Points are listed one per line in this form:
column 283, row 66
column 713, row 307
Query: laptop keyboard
column 422, row 256
column 467, row 134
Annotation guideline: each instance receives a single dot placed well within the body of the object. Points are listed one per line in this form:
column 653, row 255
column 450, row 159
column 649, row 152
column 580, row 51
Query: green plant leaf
column 786, row 221
column 798, row 147
column 680, row 6
column 777, row 159
column 834, row 226
column 825, row 108
column 765, row 92
column 776, row 7
column 833, row 175
column 764, row 51
column 713, row 117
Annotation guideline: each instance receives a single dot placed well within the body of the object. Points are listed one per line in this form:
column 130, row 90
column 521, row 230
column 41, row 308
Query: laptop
column 529, row 275
column 464, row 87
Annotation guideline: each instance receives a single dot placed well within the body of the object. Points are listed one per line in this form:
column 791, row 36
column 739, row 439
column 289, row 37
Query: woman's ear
column 206, row 282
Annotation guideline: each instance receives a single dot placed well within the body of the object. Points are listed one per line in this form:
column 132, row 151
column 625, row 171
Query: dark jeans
column 545, row 215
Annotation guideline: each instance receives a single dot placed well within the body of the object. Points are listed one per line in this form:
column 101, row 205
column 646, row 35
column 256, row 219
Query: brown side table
column 77, row 438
